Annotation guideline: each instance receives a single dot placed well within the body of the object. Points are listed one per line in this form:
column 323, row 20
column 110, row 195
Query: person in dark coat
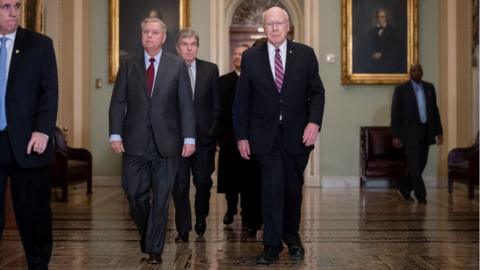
column 236, row 176
column 415, row 124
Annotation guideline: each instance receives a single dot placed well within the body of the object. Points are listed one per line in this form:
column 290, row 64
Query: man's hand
column 38, row 143
column 439, row 139
column 244, row 149
column 188, row 150
column 396, row 142
column 310, row 134
column 117, row 147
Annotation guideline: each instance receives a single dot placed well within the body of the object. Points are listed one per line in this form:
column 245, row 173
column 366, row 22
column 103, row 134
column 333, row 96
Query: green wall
column 347, row 107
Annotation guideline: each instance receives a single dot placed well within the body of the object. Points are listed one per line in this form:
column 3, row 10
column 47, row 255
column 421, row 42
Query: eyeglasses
column 277, row 24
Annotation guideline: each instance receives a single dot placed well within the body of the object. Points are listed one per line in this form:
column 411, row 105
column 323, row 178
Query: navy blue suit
column 31, row 105
column 277, row 146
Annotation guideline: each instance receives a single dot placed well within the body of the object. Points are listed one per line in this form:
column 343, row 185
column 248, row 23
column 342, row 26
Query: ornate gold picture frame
column 33, row 15
column 379, row 40
column 171, row 20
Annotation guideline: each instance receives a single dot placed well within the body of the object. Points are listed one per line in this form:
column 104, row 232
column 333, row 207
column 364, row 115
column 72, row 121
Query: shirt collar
column 157, row 57
column 415, row 84
column 282, row 47
column 11, row 36
column 193, row 65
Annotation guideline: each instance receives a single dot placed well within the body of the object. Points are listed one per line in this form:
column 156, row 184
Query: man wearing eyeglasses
column 278, row 112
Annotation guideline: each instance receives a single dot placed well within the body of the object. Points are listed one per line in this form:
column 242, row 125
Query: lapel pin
column 17, row 51
column 290, row 52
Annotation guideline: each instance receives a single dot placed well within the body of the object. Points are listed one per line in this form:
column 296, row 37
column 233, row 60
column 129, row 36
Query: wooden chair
column 463, row 167
column 72, row 165
column 378, row 157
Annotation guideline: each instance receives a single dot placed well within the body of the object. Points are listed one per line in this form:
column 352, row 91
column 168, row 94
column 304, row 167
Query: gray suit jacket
column 168, row 113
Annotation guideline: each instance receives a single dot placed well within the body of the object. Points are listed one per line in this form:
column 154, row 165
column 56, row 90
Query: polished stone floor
column 342, row 228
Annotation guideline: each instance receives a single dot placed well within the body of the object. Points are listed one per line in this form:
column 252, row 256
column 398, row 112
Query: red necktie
column 150, row 76
column 278, row 70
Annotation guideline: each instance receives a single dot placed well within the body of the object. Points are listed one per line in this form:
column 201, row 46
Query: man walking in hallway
column 152, row 123
column 415, row 124
column 28, row 112
column 278, row 112
column 206, row 102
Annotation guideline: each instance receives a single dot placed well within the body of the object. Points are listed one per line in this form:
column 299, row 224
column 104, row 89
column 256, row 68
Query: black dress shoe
column 405, row 196
column 228, row 219
column 268, row 256
column 422, row 201
column 296, row 250
column 154, row 258
column 181, row 237
column 200, row 227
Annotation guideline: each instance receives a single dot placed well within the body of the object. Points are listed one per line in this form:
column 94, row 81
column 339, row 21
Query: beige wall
column 347, row 107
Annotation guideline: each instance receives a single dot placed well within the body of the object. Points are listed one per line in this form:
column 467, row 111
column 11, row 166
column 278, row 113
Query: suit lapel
column 198, row 76
column 162, row 69
column 266, row 61
column 140, row 69
column 18, row 48
column 290, row 59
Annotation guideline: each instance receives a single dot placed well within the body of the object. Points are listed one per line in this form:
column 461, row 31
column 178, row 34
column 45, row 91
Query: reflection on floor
column 342, row 228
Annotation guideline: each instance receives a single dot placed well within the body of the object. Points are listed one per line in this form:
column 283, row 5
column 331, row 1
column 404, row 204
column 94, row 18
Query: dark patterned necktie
column 150, row 76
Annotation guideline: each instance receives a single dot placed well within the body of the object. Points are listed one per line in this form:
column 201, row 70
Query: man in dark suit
column 28, row 112
column 235, row 175
column 206, row 102
column 278, row 112
column 415, row 124
column 151, row 123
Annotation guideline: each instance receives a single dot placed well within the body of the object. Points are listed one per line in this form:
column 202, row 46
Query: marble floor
column 342, row 228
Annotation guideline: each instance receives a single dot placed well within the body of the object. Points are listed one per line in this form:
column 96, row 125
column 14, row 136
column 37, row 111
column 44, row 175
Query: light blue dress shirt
column 420, row 95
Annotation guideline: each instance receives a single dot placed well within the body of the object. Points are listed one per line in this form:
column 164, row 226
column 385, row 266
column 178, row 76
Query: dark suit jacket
column 32, row 96
column 405, row 118
column 168, row 113
column 206, row 101
column 258, row 104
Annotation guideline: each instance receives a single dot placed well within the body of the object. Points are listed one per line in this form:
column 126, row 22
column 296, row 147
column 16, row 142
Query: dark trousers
column 148, row 181
column 417, row 157
column 31, row 202
column 282, row 184
column 201, row 165
column 232, row 198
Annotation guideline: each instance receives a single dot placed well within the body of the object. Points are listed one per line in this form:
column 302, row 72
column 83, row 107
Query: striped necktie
column 278, row 70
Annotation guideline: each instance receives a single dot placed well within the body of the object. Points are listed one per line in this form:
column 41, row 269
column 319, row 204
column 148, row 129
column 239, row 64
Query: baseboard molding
column 354, row 181
column 310, row 181
column 107, row 181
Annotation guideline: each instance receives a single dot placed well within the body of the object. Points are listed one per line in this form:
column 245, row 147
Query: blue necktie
column 421, row 104
column 3, row 82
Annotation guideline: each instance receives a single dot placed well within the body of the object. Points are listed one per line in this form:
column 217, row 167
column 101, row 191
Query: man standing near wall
column 152, row 123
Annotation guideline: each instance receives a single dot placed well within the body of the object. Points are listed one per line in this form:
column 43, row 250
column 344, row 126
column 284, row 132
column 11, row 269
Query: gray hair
column 186, row 33
column 157, row 20
column 276, row 7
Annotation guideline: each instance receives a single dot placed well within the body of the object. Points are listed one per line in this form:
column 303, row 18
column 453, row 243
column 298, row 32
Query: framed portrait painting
column 125, row 20
column 379, row 40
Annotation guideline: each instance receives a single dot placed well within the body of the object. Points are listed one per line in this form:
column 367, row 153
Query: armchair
column 72, row 165
column 378, row 157
column 463, row 167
